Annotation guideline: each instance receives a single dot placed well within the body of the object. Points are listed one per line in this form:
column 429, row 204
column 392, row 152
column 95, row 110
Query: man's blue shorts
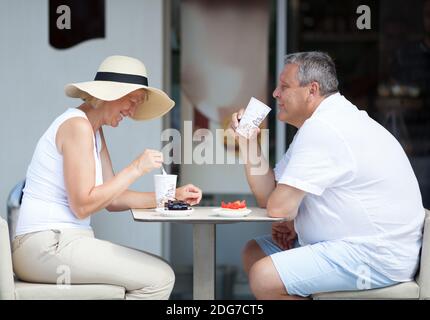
column 322, row 267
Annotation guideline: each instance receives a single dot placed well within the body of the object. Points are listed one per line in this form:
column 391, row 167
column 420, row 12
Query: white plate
column 174, row 213
column 232, row 214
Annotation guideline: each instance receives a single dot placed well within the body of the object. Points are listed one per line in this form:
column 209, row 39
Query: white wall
column 32, row 77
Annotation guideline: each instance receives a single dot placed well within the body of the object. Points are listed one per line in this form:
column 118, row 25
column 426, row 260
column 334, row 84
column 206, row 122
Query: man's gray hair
column 315, row 66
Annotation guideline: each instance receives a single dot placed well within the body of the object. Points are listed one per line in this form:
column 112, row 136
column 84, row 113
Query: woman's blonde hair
column 93, row 101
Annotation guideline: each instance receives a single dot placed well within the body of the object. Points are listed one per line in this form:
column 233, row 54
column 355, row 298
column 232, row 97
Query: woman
column 70, row 178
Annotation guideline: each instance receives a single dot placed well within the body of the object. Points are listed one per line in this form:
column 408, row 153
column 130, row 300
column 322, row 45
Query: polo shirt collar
column 331, row 99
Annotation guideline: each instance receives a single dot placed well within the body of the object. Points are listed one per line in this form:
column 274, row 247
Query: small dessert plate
column 232, row 213
column 174, row 213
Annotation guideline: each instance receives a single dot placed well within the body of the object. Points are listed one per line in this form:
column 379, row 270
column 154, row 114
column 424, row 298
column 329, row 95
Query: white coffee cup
column 165, row 188
column 253, row 116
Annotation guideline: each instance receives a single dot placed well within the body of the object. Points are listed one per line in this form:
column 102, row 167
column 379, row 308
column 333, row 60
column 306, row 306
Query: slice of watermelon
column 234, row 205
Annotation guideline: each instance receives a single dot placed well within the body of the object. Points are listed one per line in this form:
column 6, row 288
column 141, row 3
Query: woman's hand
column 283, row 234
column 148, row 161
column 189, row 193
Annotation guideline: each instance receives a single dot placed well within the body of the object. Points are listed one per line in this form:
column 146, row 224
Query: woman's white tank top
column 45, row 203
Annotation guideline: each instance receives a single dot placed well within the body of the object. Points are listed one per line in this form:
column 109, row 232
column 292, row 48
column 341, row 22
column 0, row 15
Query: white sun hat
column 116, row 77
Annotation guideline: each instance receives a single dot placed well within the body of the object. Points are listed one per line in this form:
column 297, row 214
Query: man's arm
column 261, row 185
column 284, row 202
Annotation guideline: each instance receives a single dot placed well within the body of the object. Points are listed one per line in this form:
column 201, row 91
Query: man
column 346, row 187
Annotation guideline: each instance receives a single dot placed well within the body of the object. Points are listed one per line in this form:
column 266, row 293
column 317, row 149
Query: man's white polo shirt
column 360, row 187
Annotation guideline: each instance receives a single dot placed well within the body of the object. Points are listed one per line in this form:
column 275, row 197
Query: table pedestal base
column 204, row 252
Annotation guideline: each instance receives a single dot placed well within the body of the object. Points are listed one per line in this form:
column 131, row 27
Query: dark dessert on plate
column 176, row 205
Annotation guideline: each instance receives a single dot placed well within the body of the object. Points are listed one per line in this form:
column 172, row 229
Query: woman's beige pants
column 60, row 256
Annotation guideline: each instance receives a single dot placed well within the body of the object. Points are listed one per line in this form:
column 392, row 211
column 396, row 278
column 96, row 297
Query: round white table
column 204, row 221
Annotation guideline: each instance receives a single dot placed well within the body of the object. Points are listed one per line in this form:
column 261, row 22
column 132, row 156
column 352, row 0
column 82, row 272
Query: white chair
column 418, row 289
column 12, row 289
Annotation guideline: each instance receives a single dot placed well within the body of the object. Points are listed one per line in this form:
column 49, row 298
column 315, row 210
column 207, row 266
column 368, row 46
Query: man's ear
column 314, row 89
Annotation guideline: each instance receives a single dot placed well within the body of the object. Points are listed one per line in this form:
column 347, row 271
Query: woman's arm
column 127, row 199
column 133, row 199
column 75, row 142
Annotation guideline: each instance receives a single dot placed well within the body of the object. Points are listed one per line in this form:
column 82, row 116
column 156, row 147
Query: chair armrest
column 7, row 286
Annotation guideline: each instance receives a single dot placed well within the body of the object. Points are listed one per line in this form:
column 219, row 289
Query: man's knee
column 264, row 280
column 251, row 253
column 256, row 277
